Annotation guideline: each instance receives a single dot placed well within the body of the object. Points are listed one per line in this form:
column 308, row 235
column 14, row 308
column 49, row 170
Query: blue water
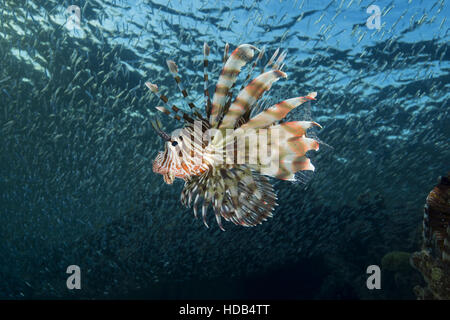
column 76, row 147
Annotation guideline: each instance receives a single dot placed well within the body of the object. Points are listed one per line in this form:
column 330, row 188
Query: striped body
column 226, row 155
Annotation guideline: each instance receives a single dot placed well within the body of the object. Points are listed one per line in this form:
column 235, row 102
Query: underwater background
column 76, row 148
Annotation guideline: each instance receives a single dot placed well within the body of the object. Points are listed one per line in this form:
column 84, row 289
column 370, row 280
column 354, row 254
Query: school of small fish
column 77, row 145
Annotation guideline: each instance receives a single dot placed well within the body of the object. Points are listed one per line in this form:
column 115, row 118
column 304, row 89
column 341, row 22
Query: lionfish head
column 165, row 161
column 162, row 163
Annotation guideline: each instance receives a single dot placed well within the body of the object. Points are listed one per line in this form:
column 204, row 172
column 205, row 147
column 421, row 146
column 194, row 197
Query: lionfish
column 238, row 189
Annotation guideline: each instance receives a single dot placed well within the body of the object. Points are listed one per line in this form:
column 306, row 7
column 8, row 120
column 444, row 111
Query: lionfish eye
column 174, row 143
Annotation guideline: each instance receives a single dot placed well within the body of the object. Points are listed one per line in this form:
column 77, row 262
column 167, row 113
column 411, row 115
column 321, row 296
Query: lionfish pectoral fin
column 246, row 197
column 197, row 198
column 219, row 221
column 218, row 204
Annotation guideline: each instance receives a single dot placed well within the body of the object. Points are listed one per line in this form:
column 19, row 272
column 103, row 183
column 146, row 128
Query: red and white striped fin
column 300, row 145
column 296, row 128
column 240, row 56
column 276, row 112
column 260, row 55
column 248, row 97
column 291, row 145
column 230, row 93
column 292, row 157
column 291, row 164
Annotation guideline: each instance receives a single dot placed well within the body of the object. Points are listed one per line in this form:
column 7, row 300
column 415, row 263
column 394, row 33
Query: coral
column 436, row 274
column 396, row 261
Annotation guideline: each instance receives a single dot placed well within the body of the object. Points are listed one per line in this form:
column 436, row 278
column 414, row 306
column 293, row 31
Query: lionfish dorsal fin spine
column 278, row 64
column 225, row 54
column 255, row 63
column 170, row 110
column 173, row 69
column 277, row 112
column 271, row 60
column 240, row 56
column 177, row 115
column 248, row 97
column 247, row 78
